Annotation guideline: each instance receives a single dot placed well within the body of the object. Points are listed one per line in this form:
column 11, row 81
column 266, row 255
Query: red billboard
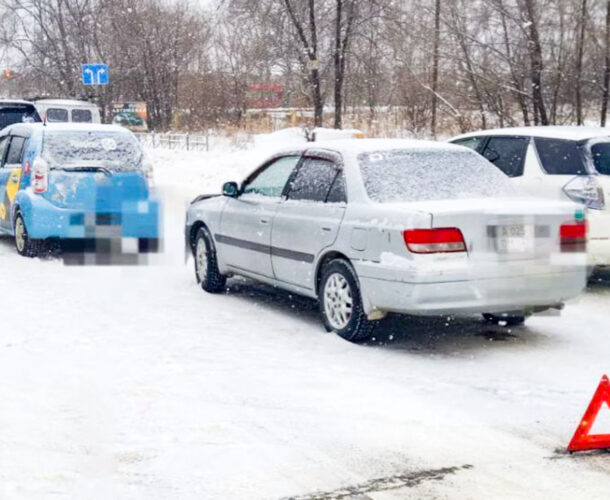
column 265, row 95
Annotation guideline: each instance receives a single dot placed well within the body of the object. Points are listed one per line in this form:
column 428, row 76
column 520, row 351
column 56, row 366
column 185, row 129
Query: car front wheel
column 341, row 303
column 206, row 265
column 24, row 245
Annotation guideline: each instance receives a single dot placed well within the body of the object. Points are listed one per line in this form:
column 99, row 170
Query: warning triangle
column 602, row 422
column 582, row 440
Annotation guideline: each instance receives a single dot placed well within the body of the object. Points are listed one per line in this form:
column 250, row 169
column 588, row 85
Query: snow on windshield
column 420, row 175
column 114, row 151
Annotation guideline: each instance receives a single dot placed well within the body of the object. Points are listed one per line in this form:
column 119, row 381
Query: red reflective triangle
column 582, row 440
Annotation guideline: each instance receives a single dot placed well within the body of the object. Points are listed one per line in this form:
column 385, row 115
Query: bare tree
column 310, row 47
column 421, row 67
column 579, row 57
column 462, row 35
column 435, row 61
column 534, row 48
column 343, row 35
column 606, row 81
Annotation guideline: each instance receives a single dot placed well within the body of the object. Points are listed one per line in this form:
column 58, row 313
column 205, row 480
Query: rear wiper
column 86, row 168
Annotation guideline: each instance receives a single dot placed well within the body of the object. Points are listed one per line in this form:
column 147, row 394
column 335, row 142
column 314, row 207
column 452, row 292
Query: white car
column 375, row 226
column 559, row 163
column 17, row 111
column 68, row 111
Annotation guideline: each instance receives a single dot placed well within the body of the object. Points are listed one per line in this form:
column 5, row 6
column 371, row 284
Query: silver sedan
column 369, row 227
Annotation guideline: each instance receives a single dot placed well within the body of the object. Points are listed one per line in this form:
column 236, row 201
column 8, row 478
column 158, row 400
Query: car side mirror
column 230, row 189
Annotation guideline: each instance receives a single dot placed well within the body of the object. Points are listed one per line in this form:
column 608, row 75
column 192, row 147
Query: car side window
column 313, row 180
column 470, row 142
column 560, row 156
column 272, row 179
column 338, row 192
column 600, row 153
column 3, row 147
column 81, row 116
column 15, row 150
column 57, row 115
column 507, row 153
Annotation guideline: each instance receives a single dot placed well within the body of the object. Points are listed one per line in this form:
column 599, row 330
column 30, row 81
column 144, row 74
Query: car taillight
column 40, row 176
column 586, row 189
column 573, row 236
column 440, row 240
column 150, row 178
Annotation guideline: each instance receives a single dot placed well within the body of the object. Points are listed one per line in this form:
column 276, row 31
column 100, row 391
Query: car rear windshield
column 561, row 156
column 412, row 175
column 113, row 151
column 17, row 114
column 600, row 151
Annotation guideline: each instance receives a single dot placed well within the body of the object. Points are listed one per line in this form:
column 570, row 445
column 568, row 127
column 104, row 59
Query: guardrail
column 185, row 142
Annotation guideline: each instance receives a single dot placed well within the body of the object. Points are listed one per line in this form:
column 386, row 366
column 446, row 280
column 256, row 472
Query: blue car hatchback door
column 86, row 185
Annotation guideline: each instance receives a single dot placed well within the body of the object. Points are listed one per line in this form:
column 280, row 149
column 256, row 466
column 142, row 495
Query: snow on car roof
column 355, row 146
column 569, row 132
column 69, row 127
column 65, row 102
column 15, row 101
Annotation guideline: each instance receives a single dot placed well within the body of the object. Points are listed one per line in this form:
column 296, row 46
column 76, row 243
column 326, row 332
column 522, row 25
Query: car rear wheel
column 341, row 304
column 206, row 265
column 24, row 245
column 507, row 319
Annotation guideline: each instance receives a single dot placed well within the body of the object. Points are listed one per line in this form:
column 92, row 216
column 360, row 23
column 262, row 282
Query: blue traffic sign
column 95, row 74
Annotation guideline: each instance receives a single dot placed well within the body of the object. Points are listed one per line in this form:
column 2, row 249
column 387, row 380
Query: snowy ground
column 131, row 383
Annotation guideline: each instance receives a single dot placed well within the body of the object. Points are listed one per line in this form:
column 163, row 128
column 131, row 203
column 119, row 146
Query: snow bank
column 295, row 136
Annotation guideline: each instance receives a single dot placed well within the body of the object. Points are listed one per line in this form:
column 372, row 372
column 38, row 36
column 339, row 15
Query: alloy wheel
column 201, row 259
column 338, row 302
column 20, row 235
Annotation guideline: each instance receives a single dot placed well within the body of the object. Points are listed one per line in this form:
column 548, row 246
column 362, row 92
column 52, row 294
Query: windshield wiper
column 86, row 168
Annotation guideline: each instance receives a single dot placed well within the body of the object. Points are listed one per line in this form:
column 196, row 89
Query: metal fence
column 184, row 142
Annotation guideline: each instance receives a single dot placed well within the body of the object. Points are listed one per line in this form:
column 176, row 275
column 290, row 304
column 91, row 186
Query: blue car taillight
column 40, row 176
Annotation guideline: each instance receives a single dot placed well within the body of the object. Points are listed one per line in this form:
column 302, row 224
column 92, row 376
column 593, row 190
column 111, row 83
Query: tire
column 505, row 319
column 206, row 264
column 339, row 286
column 24, row 245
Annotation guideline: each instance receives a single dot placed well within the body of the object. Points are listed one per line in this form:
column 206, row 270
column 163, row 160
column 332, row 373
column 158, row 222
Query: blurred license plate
column 514, row 238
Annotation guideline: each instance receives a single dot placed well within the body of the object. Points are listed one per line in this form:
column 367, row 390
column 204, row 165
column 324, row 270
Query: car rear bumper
column 599, row 251
column 598, row 246
column 138, row 219
column 469, row 294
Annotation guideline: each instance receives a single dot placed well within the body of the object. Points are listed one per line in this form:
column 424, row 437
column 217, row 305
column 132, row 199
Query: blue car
column 87, row 185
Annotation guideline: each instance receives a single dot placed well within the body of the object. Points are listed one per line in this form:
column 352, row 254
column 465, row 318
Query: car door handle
column 264, row 221
column 327, row 229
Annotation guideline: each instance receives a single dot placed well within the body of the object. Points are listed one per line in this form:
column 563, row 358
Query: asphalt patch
column 398, row 481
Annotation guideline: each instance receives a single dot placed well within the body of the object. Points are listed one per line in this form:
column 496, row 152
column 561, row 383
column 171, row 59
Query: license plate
column 514, row 238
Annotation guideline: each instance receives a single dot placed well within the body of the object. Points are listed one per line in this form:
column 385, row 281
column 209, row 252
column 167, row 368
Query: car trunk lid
column 95, row 189
column 521, row 233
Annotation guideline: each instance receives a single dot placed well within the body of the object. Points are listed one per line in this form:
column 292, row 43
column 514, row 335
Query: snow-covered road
column 131, row 383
